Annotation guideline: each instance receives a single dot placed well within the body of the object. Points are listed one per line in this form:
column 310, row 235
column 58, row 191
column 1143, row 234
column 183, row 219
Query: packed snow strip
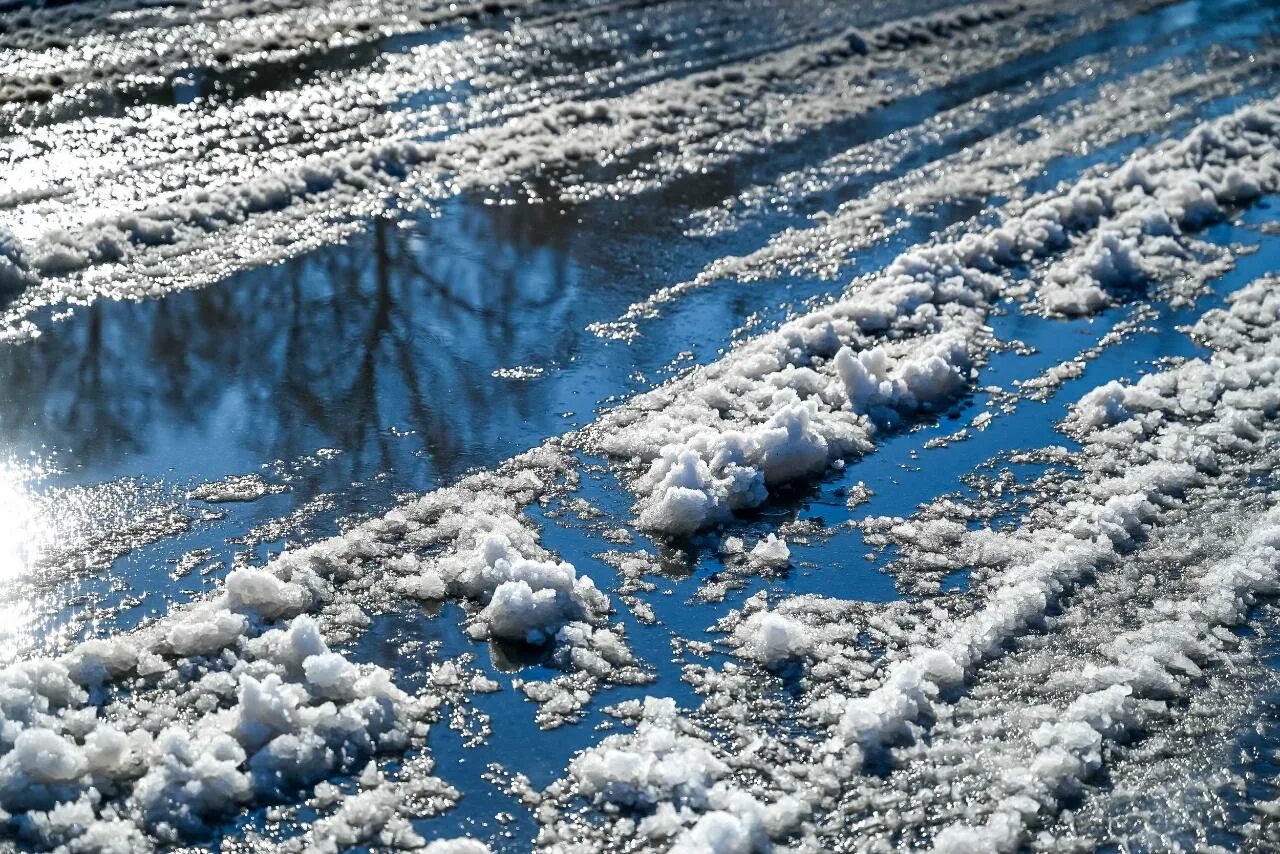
column 62, row 51
column 1100, row 533
column 999, row 165
column 660, row 131
column 190, row 144
column 785, row 406
column 48, row 51
column 1233, row 395
column 1042, row 723
column 1154, row 662
column 788, row 192
column 1220, row 414
column 936, row 51
column 159, row 735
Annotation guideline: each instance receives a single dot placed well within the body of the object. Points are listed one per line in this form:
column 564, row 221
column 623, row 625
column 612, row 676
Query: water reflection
column 399, row 329
column 30, row 527
column 21, row 531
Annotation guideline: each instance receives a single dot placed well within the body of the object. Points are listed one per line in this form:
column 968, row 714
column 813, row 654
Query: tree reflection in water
column 384, row 348
column 400, row 329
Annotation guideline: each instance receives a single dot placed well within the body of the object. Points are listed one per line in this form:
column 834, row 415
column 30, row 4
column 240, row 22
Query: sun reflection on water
column 24, row 536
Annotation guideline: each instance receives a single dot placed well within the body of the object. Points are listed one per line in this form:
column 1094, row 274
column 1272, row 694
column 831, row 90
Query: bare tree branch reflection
column 400, row 328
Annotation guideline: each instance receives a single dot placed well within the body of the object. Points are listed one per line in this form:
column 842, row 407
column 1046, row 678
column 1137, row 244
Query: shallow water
column 435, row 342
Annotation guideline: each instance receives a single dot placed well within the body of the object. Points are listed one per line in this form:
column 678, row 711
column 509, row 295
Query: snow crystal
column 772, row 638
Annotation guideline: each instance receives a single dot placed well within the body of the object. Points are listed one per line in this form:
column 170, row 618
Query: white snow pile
column 280, row 712
column 771, row 552
column 379, row 813
column 736, row 822
column 705, row 478
column 461, row 845
column 527, row 596
column 668, row 775
column 662, row 761
column 786, row 405
column 1154, row 198
column 773, row 638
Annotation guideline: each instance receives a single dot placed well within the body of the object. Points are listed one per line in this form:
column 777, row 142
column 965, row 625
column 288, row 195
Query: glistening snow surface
column 619, row 426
